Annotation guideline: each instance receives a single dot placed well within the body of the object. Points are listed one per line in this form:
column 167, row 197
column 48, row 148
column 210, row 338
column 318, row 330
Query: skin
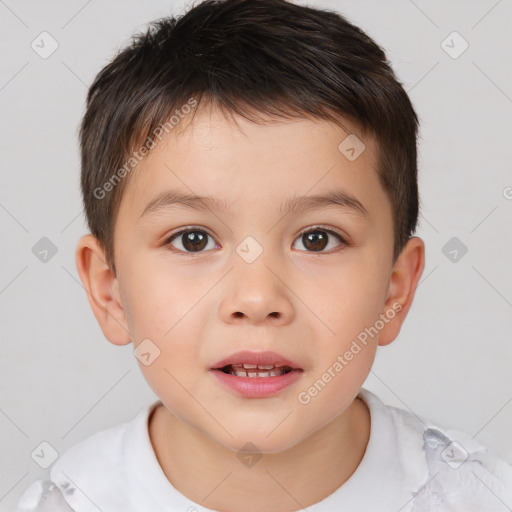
column 199, row 307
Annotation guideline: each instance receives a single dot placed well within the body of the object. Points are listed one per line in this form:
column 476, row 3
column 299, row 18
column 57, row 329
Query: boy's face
column 203, row 298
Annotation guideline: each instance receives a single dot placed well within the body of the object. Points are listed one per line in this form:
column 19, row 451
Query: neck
column 211, row 475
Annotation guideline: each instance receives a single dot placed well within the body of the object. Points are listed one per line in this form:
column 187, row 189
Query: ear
column 404, row 280
column 102, row 290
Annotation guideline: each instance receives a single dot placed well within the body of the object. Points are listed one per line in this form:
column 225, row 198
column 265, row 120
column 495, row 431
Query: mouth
column 256, row 364
column 256, row 374
column 255, row 370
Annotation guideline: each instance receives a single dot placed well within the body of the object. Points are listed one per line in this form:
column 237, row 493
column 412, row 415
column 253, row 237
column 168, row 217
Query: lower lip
column 257, row 387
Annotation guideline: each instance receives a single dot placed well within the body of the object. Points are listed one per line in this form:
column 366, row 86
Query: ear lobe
column 405, row 276
column 102, row 290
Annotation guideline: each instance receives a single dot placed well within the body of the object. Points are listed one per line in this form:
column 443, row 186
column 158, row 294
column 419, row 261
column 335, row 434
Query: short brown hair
column 247, row 56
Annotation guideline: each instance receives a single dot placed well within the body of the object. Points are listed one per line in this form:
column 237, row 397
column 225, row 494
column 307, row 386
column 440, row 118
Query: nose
column 256, row 293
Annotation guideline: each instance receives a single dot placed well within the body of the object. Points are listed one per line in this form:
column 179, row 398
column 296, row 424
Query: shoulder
column 458, row 473
column 43, row 496
column 85, row 466
column 463, row 472
column 84, row 462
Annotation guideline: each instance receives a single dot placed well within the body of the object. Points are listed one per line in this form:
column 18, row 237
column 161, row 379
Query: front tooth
column 250, row 366
column 275, row 372
column 265, row 366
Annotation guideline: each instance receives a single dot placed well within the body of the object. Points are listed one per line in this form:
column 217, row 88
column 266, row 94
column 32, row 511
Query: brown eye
column 316, row 240
column 190, row 240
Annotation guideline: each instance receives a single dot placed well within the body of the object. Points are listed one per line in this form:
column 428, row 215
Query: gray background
column 61, row 380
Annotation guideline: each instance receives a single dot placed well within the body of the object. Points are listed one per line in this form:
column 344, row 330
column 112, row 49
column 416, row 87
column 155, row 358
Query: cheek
column 160, row 302
column 336, row 381
column 346, row 295
column 175, row 340
column 170, row 310
column 349, row 302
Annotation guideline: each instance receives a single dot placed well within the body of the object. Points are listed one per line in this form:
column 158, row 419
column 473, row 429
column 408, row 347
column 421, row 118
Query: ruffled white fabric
column 410, row 465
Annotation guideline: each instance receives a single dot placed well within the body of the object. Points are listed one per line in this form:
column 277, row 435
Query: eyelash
column 342, row 240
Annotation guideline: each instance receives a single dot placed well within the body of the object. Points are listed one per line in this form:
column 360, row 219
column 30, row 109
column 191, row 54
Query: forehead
column 237, row 160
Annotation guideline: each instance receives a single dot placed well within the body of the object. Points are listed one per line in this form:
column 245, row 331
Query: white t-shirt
column 410, row 465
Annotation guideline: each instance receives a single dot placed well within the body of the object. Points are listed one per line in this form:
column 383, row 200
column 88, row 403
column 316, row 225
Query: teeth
column 276, row 372
column 257, row 370
column 259, row 366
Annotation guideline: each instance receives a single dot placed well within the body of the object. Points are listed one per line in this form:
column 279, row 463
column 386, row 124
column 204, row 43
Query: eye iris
column 317, row 239
column 194, row 240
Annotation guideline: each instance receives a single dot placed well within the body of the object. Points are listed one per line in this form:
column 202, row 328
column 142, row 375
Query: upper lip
column 259, row 358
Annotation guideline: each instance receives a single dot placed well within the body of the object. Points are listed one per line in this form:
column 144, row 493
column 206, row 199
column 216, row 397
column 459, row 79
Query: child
column 249, row 178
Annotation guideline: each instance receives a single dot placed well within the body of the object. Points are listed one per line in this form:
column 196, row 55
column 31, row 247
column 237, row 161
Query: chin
column 256, row 441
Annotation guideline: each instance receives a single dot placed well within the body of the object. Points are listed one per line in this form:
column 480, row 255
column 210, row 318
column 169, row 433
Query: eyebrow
column 294, row 204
